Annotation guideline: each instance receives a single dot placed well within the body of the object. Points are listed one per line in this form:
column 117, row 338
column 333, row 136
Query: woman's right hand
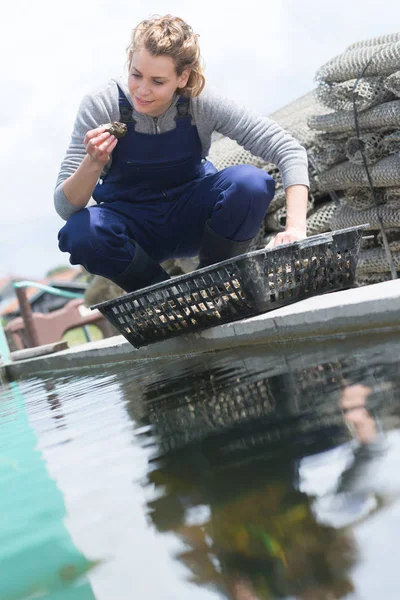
column 99, row 144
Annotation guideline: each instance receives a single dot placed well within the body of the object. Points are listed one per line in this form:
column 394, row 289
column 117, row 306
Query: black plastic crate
column 234, row 289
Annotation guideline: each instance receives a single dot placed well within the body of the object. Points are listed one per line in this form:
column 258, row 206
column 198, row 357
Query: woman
column 157, row 195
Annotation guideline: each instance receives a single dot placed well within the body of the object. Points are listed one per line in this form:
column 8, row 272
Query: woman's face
column 153, row 82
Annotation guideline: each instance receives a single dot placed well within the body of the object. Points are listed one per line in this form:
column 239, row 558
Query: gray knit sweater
column 210, row 112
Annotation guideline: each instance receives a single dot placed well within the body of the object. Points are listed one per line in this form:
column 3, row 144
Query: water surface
column 245, row 475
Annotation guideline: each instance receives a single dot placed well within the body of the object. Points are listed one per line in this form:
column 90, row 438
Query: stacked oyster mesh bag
column 323, row 122
column 337, row 151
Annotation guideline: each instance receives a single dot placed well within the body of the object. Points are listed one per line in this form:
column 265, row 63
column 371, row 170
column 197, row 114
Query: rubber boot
column 142, row 272
column 215, row 248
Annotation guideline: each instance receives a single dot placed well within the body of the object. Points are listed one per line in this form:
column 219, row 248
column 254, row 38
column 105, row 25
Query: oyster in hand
column 116, row 129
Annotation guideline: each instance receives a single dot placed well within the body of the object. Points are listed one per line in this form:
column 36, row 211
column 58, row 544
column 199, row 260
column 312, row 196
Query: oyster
column 116, row 129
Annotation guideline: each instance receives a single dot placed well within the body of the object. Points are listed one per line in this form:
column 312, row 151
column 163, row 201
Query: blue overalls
column 159, row 193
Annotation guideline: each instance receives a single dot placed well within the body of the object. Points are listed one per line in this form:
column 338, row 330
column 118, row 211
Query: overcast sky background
column 262, row 53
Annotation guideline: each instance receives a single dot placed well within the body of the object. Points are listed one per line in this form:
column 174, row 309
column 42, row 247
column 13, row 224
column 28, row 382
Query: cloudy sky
column 262, row 53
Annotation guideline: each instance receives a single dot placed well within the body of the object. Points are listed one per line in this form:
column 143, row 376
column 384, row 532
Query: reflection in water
column 260, row 532
column 55, row 404
column 351, row 500
column 231, row 445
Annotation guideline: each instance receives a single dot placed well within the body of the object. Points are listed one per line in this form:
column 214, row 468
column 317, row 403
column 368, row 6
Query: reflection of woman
column 354, row 498
column 261, row 539
column 263, row 536
column 355, row 413
column 158, row 196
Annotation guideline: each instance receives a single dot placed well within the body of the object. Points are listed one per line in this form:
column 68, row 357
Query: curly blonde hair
column 171, row 36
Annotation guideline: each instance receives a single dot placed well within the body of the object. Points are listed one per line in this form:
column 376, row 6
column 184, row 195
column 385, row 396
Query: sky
column 261, row 53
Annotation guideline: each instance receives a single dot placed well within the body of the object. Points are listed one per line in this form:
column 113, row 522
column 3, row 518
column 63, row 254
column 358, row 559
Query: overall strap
column 183, row 116
column 125, row 108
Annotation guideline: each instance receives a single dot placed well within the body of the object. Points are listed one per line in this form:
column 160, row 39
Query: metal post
column 86, row 332
column 27, row 315
column 4, row 349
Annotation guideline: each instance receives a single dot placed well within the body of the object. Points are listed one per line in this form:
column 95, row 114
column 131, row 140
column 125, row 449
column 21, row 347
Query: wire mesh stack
column 338, row 151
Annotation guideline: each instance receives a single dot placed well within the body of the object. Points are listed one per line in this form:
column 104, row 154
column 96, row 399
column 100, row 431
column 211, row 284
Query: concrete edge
column 361, row 311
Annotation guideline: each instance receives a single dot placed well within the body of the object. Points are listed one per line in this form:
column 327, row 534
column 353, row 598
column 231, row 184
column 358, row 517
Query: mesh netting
column 385, row 60
column 370, row 144
column 327, row 153
column 278, row 201
column 391, row 142
column 363, row 279
column 276, row 221
column 393, row 237
column 226, row 152
column 369, row 92
column 392, row 83
column 384, row 173
column 323, row 137
column 375, row 261
column 392, row 195
column 375, row 146
column 319, row 220
column 376, row 41
column 346, row 216
column 384, row 117
column 361, row 198
column 294, row 118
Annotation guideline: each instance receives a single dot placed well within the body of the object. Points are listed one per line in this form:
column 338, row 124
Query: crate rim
column 184, row 276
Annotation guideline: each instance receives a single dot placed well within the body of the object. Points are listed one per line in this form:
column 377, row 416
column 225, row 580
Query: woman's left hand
column 291, row 234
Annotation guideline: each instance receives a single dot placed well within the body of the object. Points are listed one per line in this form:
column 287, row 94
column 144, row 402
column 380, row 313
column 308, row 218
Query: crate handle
column 314, row 240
